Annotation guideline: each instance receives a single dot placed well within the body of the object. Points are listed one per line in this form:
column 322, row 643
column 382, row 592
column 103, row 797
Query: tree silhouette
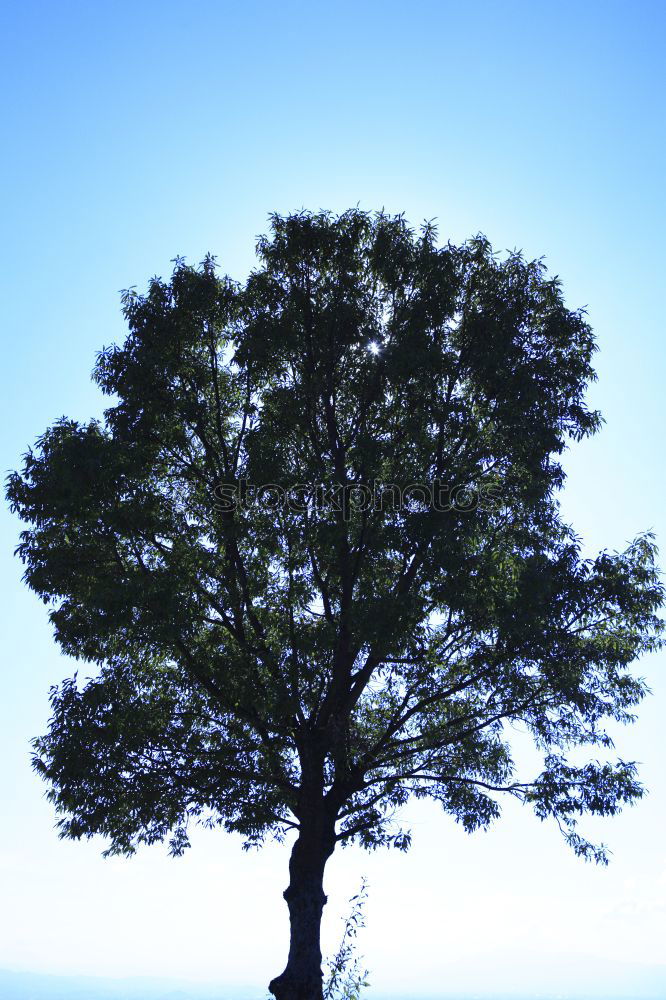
column 316, row 553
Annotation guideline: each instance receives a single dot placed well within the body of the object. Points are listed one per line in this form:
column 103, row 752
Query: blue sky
column 136, row 132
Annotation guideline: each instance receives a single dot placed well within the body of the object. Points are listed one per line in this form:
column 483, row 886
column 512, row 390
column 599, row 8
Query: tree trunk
column 302, row 978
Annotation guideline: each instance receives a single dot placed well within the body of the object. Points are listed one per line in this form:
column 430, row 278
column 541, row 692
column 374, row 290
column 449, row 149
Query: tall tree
column 306, row 657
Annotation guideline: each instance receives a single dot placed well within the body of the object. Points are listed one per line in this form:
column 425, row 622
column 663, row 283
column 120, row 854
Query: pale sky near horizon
column 136, row 132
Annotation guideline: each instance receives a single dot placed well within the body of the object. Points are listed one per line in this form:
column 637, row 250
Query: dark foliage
column 262, row 667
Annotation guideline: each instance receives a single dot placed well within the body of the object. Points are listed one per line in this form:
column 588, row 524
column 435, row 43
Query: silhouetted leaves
column 251, row 656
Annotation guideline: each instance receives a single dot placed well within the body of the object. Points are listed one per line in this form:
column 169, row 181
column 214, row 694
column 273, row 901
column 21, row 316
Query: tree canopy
column 315, row 550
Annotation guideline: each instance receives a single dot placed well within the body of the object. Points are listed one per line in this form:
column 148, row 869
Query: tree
column 306, row 657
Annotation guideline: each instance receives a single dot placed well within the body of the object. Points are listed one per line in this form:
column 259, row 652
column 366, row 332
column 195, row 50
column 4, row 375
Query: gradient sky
column 134, row 132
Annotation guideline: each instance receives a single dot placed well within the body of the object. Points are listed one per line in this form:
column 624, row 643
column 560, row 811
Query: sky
column 135, row 132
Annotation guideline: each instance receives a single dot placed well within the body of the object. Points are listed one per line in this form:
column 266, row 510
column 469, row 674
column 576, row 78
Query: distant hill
column 582, row 978
column 33, row 986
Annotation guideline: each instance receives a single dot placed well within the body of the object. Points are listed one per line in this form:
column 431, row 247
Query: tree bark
column 302, row 977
